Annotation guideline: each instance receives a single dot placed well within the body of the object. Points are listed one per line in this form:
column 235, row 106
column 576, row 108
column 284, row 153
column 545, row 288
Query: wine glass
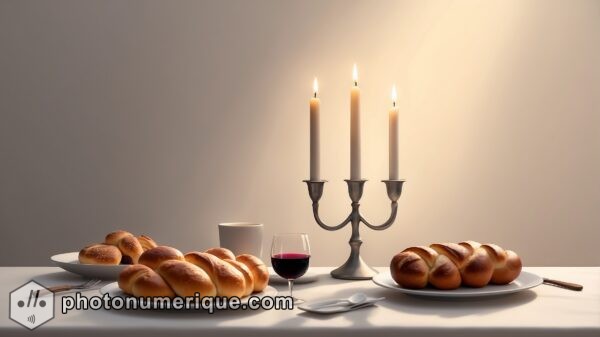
column 290, row 254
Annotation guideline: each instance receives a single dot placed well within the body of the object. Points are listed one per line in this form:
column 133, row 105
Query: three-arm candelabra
column 354, row 268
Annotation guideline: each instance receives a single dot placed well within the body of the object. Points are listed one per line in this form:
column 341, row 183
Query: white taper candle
column 315, row 136
column 393, row 137
column 355, row 173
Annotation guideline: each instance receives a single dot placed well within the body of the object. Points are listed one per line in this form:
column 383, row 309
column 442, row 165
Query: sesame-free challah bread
column 450, row 265
column 195, row 272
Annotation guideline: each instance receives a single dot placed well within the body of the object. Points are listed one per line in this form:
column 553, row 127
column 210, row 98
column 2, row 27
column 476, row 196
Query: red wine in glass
column 290, row 266
column 290, row 254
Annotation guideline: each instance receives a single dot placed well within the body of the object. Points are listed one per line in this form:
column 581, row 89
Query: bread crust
column 186, row 279
column 130, row 247
column 141, row 281
column 227, row 279
column 259, row 270
column 155, row 256
column 100, row 254
column 221, row 253
column 129, row 275
column 146, row 242
column 248, row 277
column 113, row 238
column 409, row 270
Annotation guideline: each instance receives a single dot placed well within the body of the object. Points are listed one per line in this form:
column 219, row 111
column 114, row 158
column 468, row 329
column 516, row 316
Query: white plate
column 70, row 262
column 113, row 290
column 525, row 281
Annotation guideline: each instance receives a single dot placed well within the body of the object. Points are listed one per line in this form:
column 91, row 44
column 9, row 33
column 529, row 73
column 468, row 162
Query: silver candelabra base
column 355, row 267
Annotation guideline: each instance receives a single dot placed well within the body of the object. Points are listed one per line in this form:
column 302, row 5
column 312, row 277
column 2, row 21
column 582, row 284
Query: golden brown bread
column 100, row 254
column 415, row 267
column 155, row 256
column 258, row 268
column 409, row 270
column 146, row 242
column 113, row 238
column 472, row 261
column 195, row 272
column 129, row 275
column 130, row 247
column 248, row 277
column 221, row 253
column 186, row 279
column 227, row 279
column 507, row 264
column 449, row 265
column 139, row 280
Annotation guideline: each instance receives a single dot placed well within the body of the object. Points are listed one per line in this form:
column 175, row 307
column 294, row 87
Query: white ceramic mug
column 242, row 237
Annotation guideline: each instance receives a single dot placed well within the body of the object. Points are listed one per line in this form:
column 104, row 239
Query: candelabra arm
column 315, row 207
column 386, row 224
column 394, row 189
column 315, row 190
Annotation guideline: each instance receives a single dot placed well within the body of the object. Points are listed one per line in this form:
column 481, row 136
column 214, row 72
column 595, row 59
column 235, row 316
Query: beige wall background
column 167, row 118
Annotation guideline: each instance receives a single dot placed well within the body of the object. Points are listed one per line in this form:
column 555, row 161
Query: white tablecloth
column 542, row 311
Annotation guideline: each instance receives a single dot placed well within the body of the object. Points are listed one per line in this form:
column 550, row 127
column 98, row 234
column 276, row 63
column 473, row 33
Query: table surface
column 541, row 311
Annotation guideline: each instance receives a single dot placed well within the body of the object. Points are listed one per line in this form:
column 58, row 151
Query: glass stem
column 290, row 286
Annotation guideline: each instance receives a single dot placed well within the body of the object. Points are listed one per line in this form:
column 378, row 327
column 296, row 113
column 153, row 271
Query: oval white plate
column 112, row 289
column 525, row 281
column 70, row 262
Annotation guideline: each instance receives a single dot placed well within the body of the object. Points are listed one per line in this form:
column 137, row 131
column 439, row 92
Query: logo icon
column 31, row 305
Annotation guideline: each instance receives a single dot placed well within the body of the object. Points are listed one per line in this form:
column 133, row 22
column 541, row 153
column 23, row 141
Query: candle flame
column 315, row 87
column 394, row 95
column 355, row 74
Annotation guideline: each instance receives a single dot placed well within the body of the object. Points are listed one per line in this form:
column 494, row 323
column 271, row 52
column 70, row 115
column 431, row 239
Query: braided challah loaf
column 450, row 265
column 119, row 247
column 195, row 272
